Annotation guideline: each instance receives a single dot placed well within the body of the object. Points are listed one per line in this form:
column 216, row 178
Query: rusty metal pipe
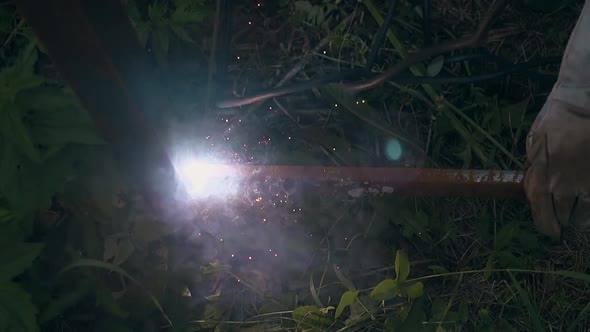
column 397, row 181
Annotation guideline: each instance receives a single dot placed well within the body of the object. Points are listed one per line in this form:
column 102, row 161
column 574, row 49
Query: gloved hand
column 557, row 183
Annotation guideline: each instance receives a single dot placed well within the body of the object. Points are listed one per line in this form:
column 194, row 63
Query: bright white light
column 202, row 179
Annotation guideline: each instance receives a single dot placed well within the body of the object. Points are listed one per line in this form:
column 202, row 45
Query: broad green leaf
column 17, row 312
column 29, row 186
column 18, row 257
column 435, row 66
column 402, row 266
column 311, row 315
column 345, row 301
column 20, row 76
column 55, row 117
column 414, row 290
column 385, row 290
column 51, row 98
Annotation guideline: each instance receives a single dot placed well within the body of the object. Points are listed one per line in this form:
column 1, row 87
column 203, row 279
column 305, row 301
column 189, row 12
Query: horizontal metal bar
column 401, row 181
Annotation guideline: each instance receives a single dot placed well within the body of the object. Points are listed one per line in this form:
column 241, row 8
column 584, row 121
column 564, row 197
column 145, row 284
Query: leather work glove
column 557, row 183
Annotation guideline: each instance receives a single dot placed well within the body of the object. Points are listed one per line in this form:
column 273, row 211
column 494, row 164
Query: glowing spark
column 203, row 180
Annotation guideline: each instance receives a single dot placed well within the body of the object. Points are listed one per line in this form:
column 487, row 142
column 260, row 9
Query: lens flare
column 393, row 149
column 204, row 179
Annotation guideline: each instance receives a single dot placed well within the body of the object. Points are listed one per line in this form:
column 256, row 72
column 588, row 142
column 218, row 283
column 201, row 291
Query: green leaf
column 311, row 315
column 20, row 76
column 17, row 257
column 435, row 66
column 385, row 290
column 414, row 290
column 402, row 266
column 29, row 186
column 345, row 301
column 48, row 99
column 17, row 312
